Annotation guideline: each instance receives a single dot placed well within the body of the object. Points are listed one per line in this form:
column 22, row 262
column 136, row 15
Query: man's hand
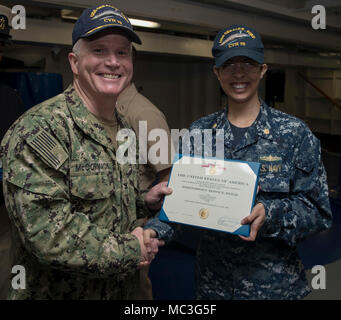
column 149, row 245
column 151, row 242
column 154, row 198
column 256, row 219
column 146, row 257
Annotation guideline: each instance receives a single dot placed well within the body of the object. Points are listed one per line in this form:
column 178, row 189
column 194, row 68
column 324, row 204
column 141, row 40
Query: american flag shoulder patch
column 48, row 148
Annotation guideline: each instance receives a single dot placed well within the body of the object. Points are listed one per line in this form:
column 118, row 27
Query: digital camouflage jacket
column 72, row 205
column 294, row 191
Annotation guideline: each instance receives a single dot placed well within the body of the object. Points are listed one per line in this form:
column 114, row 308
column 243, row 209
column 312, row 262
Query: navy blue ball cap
column 99, row 18
column 237, row 40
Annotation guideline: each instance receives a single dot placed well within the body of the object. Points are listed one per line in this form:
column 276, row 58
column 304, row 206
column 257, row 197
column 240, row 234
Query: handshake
column 149, row 245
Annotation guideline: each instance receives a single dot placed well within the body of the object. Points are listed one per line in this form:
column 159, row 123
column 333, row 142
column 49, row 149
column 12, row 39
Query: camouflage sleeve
column 306, row 209
column 49, row 226
column 142, row 210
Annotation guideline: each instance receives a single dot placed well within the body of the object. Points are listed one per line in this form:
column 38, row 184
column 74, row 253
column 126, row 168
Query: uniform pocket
column 274, row 182
column 305, row 165
column 92, row 187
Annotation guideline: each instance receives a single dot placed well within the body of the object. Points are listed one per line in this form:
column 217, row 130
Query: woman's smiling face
column 239, row 77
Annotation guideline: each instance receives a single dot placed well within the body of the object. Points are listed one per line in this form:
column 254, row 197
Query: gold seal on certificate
column 203, row 213
column 211, row 193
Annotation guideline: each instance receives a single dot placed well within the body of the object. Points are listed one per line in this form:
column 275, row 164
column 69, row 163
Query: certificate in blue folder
column 211, row 193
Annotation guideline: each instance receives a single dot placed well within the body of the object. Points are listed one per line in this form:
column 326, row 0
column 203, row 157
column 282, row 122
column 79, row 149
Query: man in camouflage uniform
column 292, row 202
column 72, row 204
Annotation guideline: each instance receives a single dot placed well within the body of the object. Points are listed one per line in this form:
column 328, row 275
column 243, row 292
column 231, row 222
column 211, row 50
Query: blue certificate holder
column 211, row 193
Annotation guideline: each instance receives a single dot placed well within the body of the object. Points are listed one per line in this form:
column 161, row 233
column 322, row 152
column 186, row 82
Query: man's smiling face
column 103, row 64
